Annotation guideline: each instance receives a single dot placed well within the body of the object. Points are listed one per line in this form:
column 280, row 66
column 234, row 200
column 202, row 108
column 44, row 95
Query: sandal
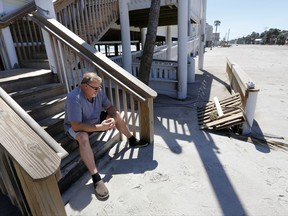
column 101, row 190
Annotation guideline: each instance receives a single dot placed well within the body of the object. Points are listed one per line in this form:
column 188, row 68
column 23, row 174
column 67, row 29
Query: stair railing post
column 7, row 46
column 46, row 8
column 146, row 120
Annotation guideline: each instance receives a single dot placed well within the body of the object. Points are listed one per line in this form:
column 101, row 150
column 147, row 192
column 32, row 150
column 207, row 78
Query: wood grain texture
column 43, row 196
column 25, row 146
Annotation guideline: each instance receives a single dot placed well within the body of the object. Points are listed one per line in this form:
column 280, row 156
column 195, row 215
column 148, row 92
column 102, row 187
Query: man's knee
column 82, row 137
column 118, row 117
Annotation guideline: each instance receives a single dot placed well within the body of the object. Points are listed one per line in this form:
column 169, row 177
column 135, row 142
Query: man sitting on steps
column 84, row 115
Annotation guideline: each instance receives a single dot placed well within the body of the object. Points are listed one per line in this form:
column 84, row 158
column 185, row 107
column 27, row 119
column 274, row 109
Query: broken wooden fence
column 221, row 114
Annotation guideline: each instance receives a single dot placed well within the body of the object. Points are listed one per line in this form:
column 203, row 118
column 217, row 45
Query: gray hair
column 88, row 77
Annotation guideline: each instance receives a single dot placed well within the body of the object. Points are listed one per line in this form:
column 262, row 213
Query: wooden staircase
column 40, row 94
column 88, row 19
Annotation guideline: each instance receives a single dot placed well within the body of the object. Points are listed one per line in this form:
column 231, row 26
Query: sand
column 188, row 171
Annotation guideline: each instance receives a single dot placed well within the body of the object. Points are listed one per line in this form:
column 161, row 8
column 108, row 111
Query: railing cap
column 24, row 145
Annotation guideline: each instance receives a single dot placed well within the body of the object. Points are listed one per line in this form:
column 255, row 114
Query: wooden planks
column 28, row 166
column 218, row 107
column 221, row 114
column 25, row 146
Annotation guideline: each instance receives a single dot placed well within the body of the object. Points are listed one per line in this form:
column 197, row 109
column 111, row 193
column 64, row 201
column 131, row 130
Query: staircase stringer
column 102, row 33
column 89, row 19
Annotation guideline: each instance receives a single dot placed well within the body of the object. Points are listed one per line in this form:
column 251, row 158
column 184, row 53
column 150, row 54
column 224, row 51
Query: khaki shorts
column 72, row 134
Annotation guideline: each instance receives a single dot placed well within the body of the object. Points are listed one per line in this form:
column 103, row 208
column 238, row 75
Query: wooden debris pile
column 221, row 114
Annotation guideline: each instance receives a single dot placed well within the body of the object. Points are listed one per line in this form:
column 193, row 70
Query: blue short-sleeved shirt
column 79, row 109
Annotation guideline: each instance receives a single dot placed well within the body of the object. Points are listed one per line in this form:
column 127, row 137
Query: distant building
column 258, row 41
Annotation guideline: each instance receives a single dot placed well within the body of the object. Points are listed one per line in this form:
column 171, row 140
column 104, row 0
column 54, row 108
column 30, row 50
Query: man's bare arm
column 79, row 126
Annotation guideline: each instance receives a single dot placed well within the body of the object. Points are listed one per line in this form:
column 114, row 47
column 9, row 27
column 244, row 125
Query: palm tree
column 216, row 24
column 146, row 60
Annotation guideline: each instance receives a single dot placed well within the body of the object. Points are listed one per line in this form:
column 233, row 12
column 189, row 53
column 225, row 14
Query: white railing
column 163, row 73
column 161, row 52
column 160, row 70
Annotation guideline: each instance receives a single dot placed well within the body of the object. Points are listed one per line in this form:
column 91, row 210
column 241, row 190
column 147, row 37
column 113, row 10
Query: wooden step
column 40, row 55
column 42, row 109
column 72, row 167
column 21, row 79
column 35, row 63
column 53, row 124
column 43, row 99
column 34, row 94
column 66, row 142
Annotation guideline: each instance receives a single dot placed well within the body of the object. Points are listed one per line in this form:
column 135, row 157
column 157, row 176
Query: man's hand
column 108, row 124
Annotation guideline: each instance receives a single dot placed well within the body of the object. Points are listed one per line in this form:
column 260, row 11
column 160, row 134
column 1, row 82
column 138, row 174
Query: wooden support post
column 146, row 120
column 43, row 196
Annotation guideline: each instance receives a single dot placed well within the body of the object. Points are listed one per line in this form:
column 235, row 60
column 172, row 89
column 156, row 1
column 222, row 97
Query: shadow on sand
column 123, row 165
column 177, row 121
column 185, row 118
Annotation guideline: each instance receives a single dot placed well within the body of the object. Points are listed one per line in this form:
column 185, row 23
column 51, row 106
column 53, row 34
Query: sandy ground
column 268, row 68
column 188, row 171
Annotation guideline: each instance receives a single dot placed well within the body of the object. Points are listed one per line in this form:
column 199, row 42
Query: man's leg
column 123, row 128
column 87, row 156
column 86, row 152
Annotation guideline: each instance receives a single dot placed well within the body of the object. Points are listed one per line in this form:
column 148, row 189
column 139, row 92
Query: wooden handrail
column 6, row 20
column 70, row 49
column 26, row 149
column 22, row 11
column 240, row 82
column 33, row 124
column 28, row 166
column 81, row 52
column 111, row 68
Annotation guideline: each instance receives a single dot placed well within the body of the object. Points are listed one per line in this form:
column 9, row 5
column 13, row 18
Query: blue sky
column 243, row 17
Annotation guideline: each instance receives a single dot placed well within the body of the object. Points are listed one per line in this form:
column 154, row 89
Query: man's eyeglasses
column 95, row 88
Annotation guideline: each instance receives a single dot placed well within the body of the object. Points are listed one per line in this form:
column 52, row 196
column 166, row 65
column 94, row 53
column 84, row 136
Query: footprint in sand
column 158, row 177
column 275, row 176
column 196, row 185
